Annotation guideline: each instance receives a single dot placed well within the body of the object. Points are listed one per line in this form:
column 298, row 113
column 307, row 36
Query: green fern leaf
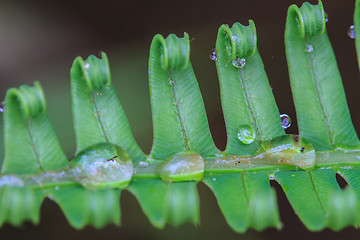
column 108, row 160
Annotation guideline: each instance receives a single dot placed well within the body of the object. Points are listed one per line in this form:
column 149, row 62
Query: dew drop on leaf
column 86, row 66
column 212, row 54
column 246, row 134
column 2, row 106
column 351, row 32
column 239, row 62
column 309, row 48
column 214, row 179
column 285, row 121
column 143, row 164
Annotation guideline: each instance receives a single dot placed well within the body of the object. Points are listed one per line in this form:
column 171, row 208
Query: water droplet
column 212, row 54
column 285, row 121
column 187, row 165
column 246, row 134
column 99, row 94
column 2, row 106
column 272, row 177
column 351, row 32
column 143, row 164
column 102, row 165
column 56, row 187
column 214, row 179
column 309, row 48
column 357, row 156
column 171, row 82
column 326, row 17
column 86, row 66
column 239, row 62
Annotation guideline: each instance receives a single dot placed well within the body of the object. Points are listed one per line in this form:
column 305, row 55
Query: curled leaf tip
column 174, row 52
column 31, row 100
column 310, row 18
column 240, row 41
column 95, row 70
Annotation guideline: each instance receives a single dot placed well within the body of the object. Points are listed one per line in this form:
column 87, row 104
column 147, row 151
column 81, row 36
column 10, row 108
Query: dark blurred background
column 40, row 39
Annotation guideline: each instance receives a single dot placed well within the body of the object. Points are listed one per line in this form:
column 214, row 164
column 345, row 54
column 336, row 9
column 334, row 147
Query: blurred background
column 39, row 40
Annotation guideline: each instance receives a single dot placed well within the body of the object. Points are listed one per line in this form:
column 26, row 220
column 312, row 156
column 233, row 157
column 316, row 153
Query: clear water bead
column 309, row 48
column 86, row 66
column 183, row 165
column 239, row 62
column 285, row 121
column 212, row 54
column 351, row 32
column 326, row 17
column 2, row 106
column 246, row 134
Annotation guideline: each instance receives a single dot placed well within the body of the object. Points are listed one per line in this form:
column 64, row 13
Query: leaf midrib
column 98, row 117
column 316, row 191
column 316, row 80
column 183, row 132
column 248, row 103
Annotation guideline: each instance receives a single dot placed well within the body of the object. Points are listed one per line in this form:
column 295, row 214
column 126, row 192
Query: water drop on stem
column 143, row 164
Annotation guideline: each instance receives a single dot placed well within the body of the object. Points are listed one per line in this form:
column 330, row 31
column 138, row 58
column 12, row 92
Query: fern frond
column 108, row 160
